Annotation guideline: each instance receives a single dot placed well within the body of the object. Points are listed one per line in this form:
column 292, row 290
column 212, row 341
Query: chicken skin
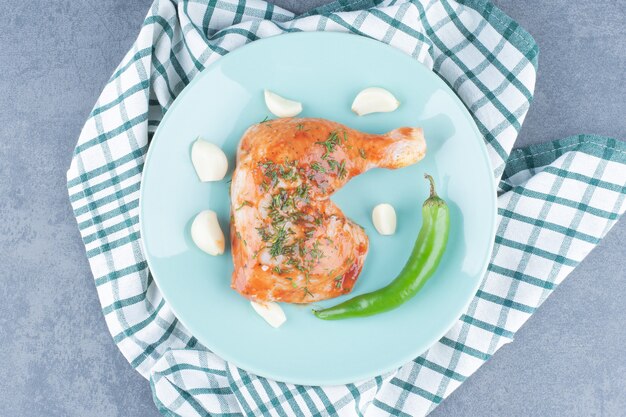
column 290, row 242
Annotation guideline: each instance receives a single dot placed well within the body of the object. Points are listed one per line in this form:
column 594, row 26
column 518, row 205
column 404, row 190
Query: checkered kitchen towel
column 556, row 201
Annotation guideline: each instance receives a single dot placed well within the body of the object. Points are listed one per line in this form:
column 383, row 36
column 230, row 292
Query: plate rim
column 400, row 361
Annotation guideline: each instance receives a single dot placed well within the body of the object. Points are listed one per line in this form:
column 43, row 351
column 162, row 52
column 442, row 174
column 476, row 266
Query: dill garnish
column 287, row 171
column 277, row 247
column 245, row 203
column 289, row 174
column 316, row 166
column 331, row 143
column 302, row 191
column 341, row 170
column 263, row 233
column 316, row 253
column 338, row 281
column 288, row 232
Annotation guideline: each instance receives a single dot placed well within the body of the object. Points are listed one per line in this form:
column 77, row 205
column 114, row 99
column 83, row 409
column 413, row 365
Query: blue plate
column 324, row 71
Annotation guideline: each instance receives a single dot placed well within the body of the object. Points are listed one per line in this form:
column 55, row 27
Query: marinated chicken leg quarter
column 290, row 242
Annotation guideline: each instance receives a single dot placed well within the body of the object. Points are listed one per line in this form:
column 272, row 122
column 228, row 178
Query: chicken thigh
column 290, row 242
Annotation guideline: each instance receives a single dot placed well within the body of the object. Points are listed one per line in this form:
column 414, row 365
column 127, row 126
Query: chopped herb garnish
column 278, row 243
column 316, row 253
column 300, row 126
column 341, row 170
column 289, row 174
column 245, row 203
column 316, row 166
column 271, row 172
column 263, row 233
column 362, row 153
column 287, row 171
column 302, row 191
column 330, row 144
column 338, row 281
column 267, row 119
column 284, row 209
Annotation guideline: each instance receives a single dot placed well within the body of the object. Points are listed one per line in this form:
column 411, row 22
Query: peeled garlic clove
column 374, row 100
column 271, row 313
column 281, row 106
column 209, row 161
column 384, row 219
column 207, row 234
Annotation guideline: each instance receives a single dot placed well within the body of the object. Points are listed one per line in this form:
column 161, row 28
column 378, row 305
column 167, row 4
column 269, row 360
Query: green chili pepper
column 427, row 252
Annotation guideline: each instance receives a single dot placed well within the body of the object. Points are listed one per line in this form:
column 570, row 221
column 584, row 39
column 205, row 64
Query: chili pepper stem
column 433, row 193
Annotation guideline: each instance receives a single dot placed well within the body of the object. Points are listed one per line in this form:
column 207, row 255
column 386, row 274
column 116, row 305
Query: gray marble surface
column 56, row 354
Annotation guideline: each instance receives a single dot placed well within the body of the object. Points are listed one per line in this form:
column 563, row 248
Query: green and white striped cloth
column 556, row 202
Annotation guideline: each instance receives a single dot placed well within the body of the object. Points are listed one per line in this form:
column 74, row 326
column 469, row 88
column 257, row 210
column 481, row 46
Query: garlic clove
column 374, row 100
column 209, row 161
column 271, row 313
column 384, row 219
column 280, row 106
column 207, row 234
